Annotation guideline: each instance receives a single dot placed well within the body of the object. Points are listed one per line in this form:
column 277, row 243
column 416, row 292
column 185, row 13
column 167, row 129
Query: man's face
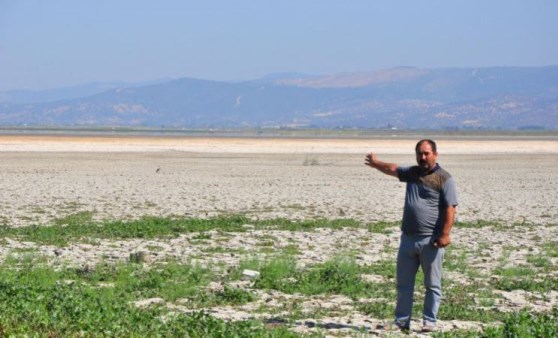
column 426, row 158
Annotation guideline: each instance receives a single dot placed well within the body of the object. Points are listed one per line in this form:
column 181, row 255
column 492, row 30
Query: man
column 428, row 217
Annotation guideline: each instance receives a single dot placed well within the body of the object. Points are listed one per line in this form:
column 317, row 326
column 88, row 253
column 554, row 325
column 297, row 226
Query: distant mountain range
column 461, row 98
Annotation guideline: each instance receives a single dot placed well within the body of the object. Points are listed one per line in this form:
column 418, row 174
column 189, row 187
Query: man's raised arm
column 386, row 168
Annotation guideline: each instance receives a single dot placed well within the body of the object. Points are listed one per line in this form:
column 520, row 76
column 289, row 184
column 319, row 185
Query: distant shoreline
column 274, row 144
column 124, row 132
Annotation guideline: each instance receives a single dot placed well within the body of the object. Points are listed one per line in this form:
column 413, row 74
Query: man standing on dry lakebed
column 428, row 217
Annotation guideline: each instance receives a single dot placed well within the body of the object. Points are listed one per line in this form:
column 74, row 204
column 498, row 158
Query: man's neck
column 428, row 172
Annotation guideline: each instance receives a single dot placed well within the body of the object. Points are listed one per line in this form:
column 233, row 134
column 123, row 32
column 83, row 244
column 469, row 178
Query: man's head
column 426, row 154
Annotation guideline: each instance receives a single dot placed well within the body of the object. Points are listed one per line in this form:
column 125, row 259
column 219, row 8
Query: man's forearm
column 384, row 167
column 445, row 239
column 449, row 220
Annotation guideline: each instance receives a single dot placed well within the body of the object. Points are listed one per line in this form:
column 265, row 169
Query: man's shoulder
column 436, row 179
column 443, row 173
column 409, row 169
column 407, row 173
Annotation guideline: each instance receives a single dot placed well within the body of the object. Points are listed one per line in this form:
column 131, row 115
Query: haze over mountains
column 463, row 98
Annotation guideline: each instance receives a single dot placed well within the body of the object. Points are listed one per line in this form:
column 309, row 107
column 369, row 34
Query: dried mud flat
column 512, row 182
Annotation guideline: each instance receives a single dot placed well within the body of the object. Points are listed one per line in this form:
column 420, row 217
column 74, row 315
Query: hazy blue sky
column 45, row 44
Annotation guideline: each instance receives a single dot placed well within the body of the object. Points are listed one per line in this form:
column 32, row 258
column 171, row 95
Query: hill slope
column 499, row 97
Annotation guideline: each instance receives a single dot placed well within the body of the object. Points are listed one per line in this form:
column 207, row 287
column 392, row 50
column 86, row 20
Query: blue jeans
column 415, row 251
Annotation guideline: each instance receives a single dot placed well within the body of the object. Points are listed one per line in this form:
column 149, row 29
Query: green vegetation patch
column 340, row 275
column 36, row 300
column 519, row 324
column 305, row 225
column 459, row 303
column 82, row 227
column 524, row 278
column 478, row 224
column 550, row 249
column 40, row 302
column 383, row 227
column 336, row 276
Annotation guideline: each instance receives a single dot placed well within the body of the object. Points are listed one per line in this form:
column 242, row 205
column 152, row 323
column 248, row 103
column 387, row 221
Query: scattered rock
column 141, row 257
column 250, row 274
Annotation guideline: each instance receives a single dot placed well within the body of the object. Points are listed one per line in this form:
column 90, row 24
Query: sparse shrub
column 310, row 161
column 275, row 274
column 234, row 296
column 339, row 275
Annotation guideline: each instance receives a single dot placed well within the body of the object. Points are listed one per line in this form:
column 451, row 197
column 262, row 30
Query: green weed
column 478, row 224
column 305, row 225
column 550, row 249
column 524, row 278
column 291, row 250
column 459, row 303
column 519, row 324
column 527, row 284
column 77, row 219
column 383, row 227
column 39, row 301
column 81, row 227
column 527, row 324
column 539, row 261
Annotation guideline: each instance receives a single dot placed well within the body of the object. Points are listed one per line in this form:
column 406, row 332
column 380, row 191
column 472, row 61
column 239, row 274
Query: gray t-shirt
column 426, row 198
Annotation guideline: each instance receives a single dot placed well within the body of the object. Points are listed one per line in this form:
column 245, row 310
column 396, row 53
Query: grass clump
column 340, row 275
column 550, row 249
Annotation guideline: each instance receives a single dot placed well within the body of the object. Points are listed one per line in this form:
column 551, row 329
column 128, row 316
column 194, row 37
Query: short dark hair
column 432, row 144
